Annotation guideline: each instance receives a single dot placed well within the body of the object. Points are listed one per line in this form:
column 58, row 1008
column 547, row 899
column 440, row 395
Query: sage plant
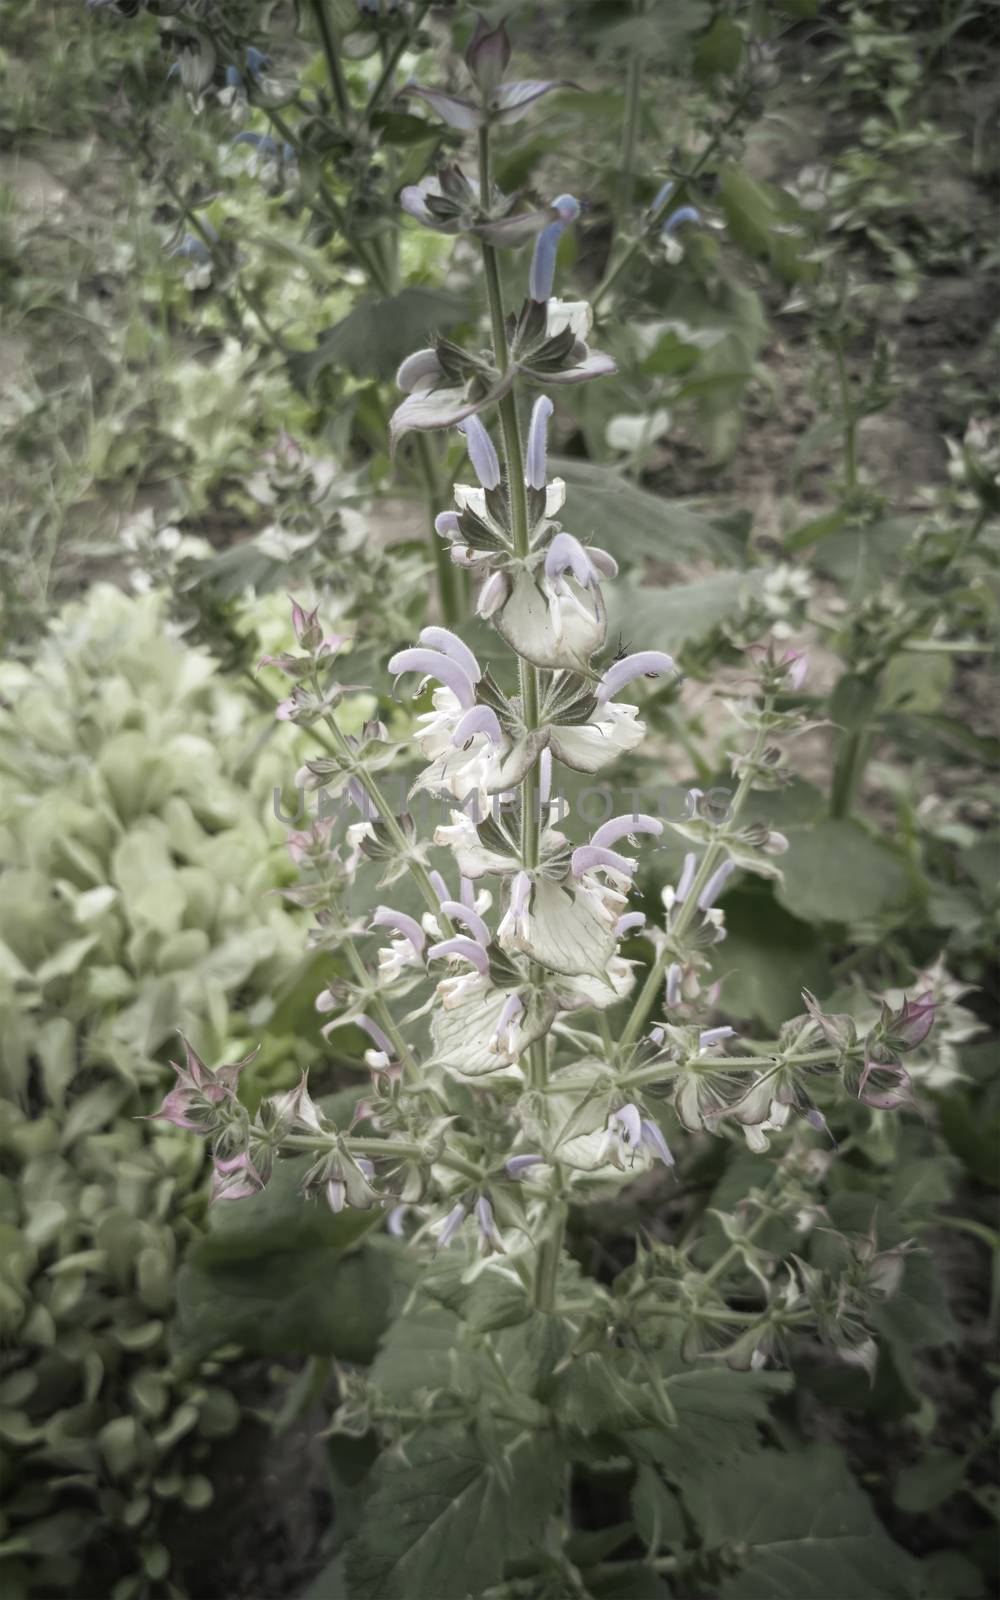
column 503, row 1104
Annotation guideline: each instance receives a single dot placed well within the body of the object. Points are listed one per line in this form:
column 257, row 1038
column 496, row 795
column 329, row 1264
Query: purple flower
column 535, row 460
column 673, row 984
column 386, row 917
column 434, row 664
column 483, row 456
column 686, row 878
column 462, row 949
column 490, row 1241
column 452, row 1222
column 644, row 664
column 458, row 911
column 451, row 645
column 235, row 1179
column 487, row 54
column 197, row 1091
column 543, row 262
column 517, row 1165
column 715, row 885
column 626, row 827
column 653, row 1139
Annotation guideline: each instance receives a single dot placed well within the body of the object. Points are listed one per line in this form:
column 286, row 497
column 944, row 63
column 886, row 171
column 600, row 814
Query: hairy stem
column 449, row 586
column 333, row 67
column 392, row 59
column 710, row 860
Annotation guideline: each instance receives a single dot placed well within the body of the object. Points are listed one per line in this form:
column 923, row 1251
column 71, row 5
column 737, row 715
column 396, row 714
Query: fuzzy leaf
column 444, row 1520
column 806, row 1529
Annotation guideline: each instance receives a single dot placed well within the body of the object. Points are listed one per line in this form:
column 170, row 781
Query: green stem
column 385, row 1149
column 549, row 1254
column 392, row 59
column 849, row 415
column 383, row 1015
column 968, row 538
column 852, row 758
column 688, row 911
column 528, row 675
column 333, row 67
column 676, row 198
column 388, row 819
column 630, row 129
column 448, row 577
column 719, row 1266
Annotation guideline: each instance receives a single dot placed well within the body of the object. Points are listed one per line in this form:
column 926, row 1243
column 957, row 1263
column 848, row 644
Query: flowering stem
column 852, row 759
column 378, row 1005
column 677, row 197
column 333, row 67
column 709, row 861
column 514, row 462
column 388, row 819
column 383, row 1149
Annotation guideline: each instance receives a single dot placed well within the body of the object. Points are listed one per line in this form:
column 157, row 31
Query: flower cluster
column 504, row 1091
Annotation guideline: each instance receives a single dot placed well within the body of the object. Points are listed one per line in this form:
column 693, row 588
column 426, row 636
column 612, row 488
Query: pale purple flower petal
column 673, row 984
column 686, row 878
column 447, row 525
column 518, row 1165
column 629, row 923
column 458, row 912
column 566, row 554
column 652, row 1138
column 715, row 885
column 386, row 917
column 418, row 371
column 451, row 645
column 710, row 1036
column 535, row 459
column 644, row 664
column 624, row 827
column 466, row 949
column 588, row 856
column 493, row 594
column 432, row 664
column 452, row 1222
column 481, row 719
column 482, row 454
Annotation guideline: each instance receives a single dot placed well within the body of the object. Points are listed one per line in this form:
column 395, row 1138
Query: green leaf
column 804, row 1528
column 293, row 1302
column 656, row 618
column 720, row 49
column 656, row 1511
column 929, row 1482
column 445, row 1519
column 279, row 1218
column 378, row 334
column 630, row 522
column 836, row 872
column 768, row 957
column 758, row 217
column 719, row 1413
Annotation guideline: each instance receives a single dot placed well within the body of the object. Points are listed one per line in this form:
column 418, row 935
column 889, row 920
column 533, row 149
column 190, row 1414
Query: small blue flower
column 543, row 263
